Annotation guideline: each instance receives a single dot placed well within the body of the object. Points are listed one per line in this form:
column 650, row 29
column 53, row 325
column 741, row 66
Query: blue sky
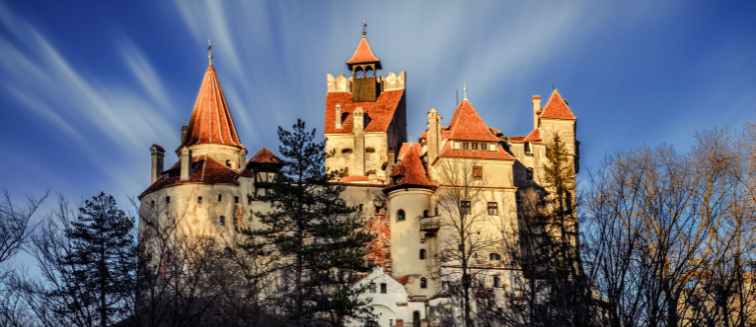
column 88, row 87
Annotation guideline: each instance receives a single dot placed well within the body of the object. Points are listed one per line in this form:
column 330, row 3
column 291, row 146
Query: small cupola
column 363, row 65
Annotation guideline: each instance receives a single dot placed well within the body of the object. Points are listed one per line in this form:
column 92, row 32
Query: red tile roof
column 535, row 135
column 203, row 170
column 363, row 53
column 402, row 280
column 466, row 125
column 557, row 108
column 211, row 121
column 159, row 148
column 348, row 179
column 410, row 169
column 381, row 112
column 264, row 156
column 499, row 154
column 406, row 149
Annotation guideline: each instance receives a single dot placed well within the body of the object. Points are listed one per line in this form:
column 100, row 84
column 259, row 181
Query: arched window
column 423, row 283
column 222, row 221
column 497, row 281
column 400, row 215
column 422, row 254
column 199, row 199
column 530, row 173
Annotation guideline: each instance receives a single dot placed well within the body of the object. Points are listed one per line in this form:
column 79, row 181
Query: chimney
column 434, row 131
column 359, row 143
column 183, row 134
column 242, row 159
column 536, row 107
column 157, row 161
column 185, row 156
column 338, row 116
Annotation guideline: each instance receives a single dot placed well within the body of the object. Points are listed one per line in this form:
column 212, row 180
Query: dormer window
column 397, row 179
column 475, row 146
column 228, row 163
column 465, row 145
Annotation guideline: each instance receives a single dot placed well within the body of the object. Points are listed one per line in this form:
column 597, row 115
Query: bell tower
column 363, row 65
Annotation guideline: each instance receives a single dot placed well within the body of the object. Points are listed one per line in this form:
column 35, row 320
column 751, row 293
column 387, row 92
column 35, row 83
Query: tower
column 365, row 122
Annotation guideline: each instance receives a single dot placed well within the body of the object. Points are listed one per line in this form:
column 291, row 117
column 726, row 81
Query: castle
column 398, row 185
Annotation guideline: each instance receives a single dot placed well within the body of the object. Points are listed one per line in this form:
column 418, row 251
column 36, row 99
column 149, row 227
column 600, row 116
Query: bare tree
column 460, row 197
column 15, row 226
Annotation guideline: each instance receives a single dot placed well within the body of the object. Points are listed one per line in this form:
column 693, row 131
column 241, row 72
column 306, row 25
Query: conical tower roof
column 211, row 121
column 557, row 108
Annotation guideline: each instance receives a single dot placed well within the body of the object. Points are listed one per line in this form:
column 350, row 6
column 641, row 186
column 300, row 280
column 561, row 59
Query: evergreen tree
column 316, row 242
column 101, row 257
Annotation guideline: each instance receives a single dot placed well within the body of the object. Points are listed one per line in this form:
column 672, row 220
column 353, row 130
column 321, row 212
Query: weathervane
column 363, row 26
column 210, row 52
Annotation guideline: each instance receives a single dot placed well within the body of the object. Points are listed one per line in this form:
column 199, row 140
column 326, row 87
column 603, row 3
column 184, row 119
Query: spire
column 211, row 121
column 363, row 27
column 210, row 52
column 465, row 90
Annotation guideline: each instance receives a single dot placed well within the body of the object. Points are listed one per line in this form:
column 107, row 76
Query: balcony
column 430, row 224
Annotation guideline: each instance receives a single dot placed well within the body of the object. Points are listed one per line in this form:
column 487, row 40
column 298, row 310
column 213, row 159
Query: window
column 425, row 213
column 465, row 145
column 530, row 174
column 422, row 254
column 400, row 215
column 423, row 283
column 152, row 204
column 226, row 253
column 494, row 256
column 236, row 221
column 369, row 150
column 249, row 199
column 199, row 199
column 477, row 172
column 371, row 262
column 475, row 146
column 493, row 208
column 222, row 221
column 497, row 281
column 372, row 287
column 220, row 197
column 346, row 151
column 236, row 199
column 167, row 199
column 361, row 207
column 483, row 146
column 397, row 179
column 228, row 163
column 377, row 209
column 436, row 210
column 465, row 207
column 383, row 288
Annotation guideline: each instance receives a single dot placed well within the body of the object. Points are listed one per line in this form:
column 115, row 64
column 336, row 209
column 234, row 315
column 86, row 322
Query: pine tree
column 102, row 256
column 314, row 238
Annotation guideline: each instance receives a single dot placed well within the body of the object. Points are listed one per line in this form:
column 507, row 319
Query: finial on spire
column 465, row 90
column 210, row 52
column 363, row 26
